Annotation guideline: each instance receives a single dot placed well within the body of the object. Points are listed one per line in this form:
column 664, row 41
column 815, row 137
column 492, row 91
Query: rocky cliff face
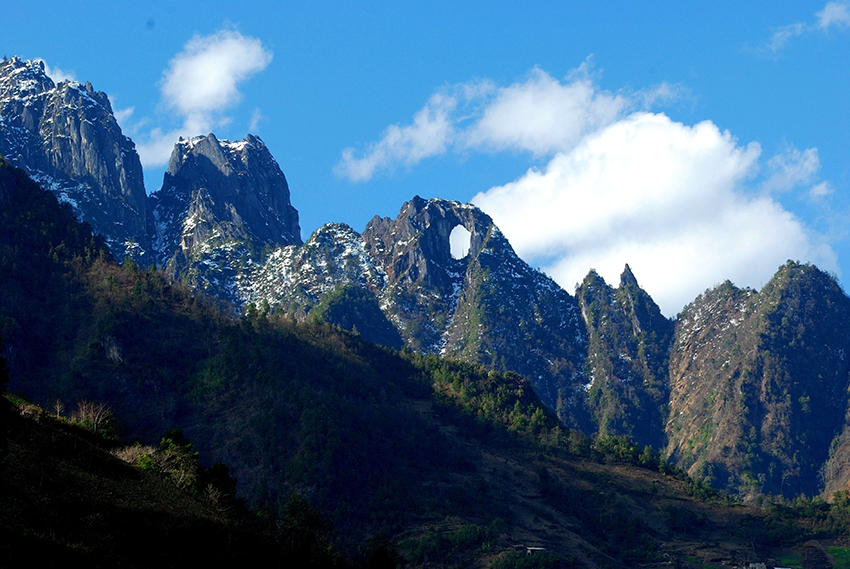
column 220, row 205
column 423, row 279
column 759, row 382
column 66, row 137
column 626, row 363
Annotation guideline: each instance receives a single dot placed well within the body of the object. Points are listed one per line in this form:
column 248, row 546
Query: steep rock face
column 423, row 279
column 220, row 205
column 759, row 382
column 510, row 316
column 66, row 137
column 488, row 306
column 628, row 342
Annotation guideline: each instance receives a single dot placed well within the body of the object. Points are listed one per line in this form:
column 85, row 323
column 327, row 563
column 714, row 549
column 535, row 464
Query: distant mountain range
column 748, row 389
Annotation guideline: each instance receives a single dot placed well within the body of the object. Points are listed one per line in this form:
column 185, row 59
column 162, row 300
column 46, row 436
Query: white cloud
column 820, row 191
column 203, row 78
column 57, row 74
column 200, row 84
column 256, row 118
column 791, row 168
column 665, row 198
column 834, row 14
column 662, row 93
column 784, row 35
column 430, row 134
column 540, row 115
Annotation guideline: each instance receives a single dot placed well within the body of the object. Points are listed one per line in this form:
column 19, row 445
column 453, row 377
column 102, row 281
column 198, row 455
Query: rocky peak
column 226, row 191
column 627, row 358
column 68, row 140
column 758, row 384
column 627, row 277
column 23, row 80
column 222, row 203
column 415, row 246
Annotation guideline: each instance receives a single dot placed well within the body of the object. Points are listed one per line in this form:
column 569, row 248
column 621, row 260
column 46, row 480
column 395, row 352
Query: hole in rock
column 459, row 241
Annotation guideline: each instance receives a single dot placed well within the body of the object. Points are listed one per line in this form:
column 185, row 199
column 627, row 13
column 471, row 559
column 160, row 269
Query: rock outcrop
column 626, row 365
column 66, row 137
column 759, row 383
column 221, row 204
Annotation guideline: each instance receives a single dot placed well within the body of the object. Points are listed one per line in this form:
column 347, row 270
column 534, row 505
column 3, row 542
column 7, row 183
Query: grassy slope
column 66, row 498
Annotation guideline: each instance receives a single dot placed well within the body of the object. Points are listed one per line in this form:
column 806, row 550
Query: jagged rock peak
column 628, row 277
column 211, row 146
column 23, row 78
column 416, row 246
column 238, row 184
column 66, row 137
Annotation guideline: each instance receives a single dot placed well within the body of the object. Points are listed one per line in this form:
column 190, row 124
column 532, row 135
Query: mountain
column 626, row 366
column 485, row 305
column 745, row 388
column 221, row 203
column 66, row 137
column 759, row 383
column 452, row 463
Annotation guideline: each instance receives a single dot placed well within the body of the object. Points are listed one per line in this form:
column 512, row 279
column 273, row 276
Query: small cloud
column 58, row 75
column 791, row 168
column 834, row 14
column 123, row 115
column 256, row 118
column 204, row 77
column 664, row 93
column 430, row 134
column 820, row 191
column 784, row 35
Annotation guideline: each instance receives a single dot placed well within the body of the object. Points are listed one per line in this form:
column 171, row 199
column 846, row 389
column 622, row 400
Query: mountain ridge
column 745, row 388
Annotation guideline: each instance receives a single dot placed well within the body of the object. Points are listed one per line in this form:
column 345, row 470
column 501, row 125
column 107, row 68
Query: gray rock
column 221, row 204
column 66, row 137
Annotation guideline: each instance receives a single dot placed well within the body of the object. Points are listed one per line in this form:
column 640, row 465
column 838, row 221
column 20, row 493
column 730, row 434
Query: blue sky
column 694, row 143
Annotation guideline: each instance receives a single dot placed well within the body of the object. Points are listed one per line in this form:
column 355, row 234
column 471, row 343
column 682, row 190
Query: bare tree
column 97, row 416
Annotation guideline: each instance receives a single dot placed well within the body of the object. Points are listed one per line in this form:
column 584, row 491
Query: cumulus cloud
column 664, row 197
column 540, row 115
column 833, row 15
column 200, row 84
